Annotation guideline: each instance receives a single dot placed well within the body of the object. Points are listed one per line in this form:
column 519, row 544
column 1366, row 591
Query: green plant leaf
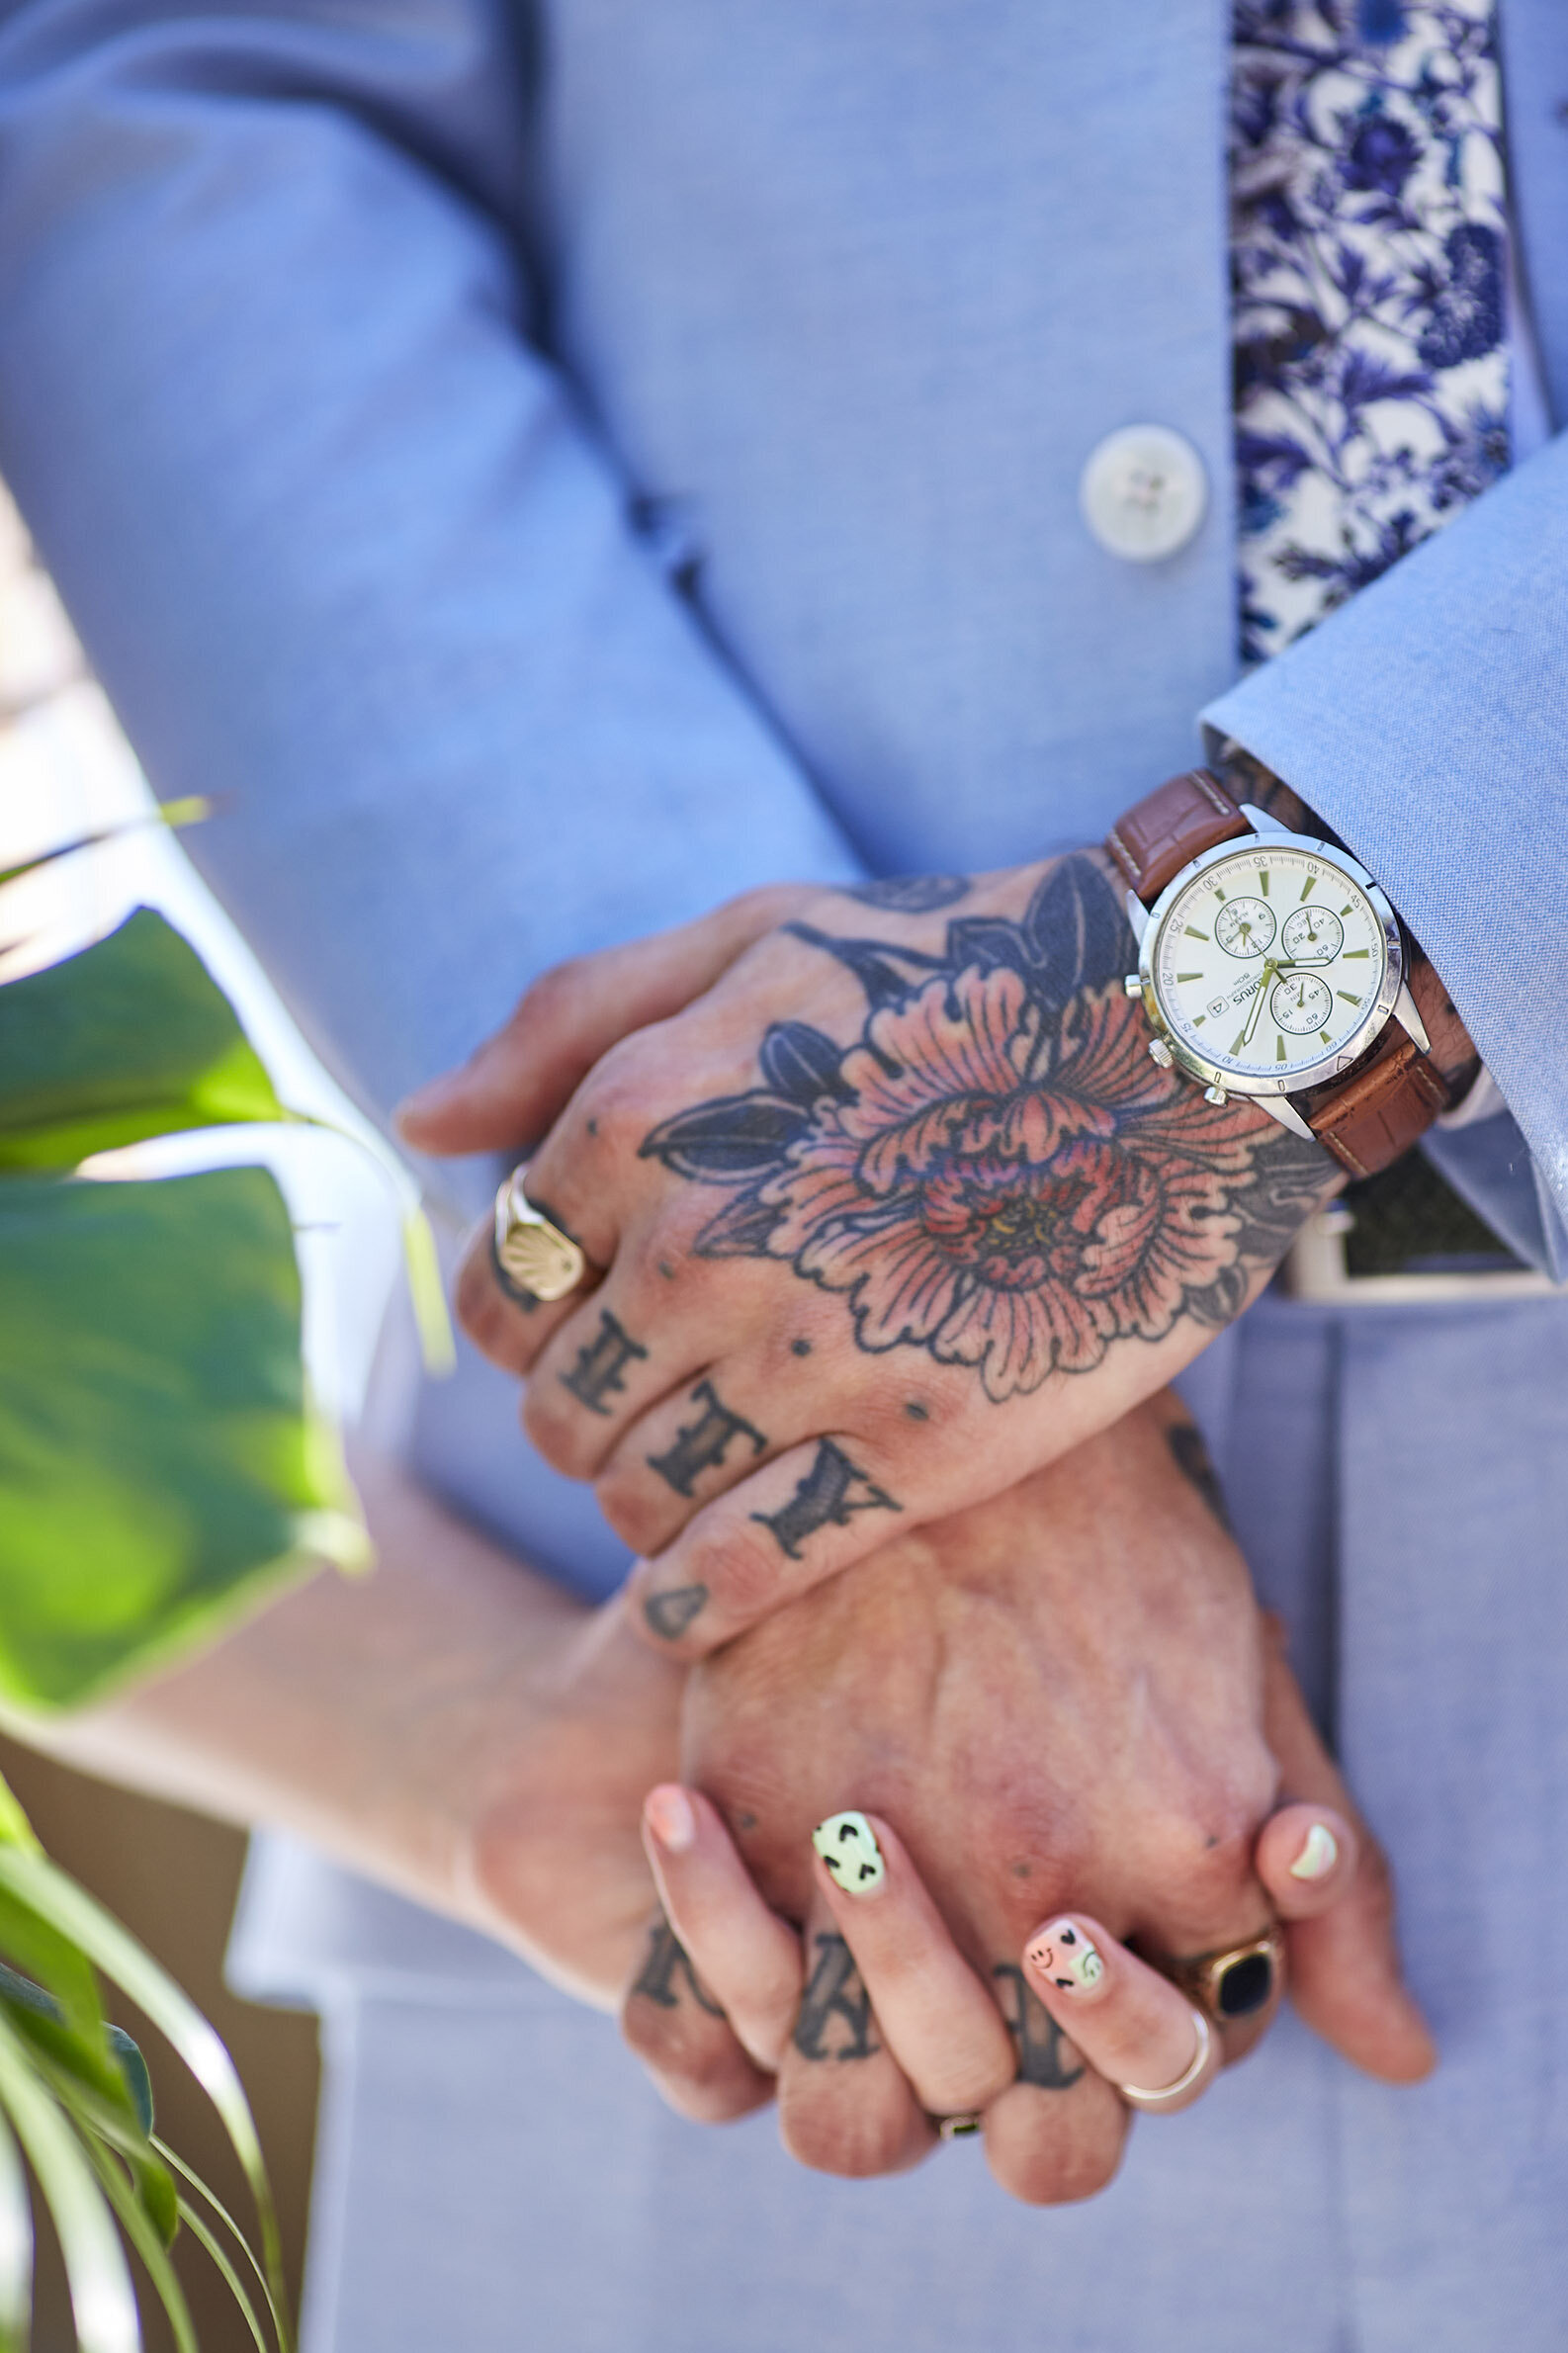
column 77, row 1915
column 159, row 1459
column 226, row 2273
column 194, row 2220
column 15, row 1828
column 15, row 2247
column 138, row 2082
column 57, row 1978
column 150, row 2245
column 131, row 1039
column 101, row 2073
column 103, row 2301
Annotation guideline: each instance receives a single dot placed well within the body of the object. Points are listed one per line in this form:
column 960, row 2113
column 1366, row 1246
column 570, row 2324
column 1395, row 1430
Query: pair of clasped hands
column 977, row 1736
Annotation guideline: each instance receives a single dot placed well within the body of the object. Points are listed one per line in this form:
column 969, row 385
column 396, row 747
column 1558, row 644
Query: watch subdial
column 1312, row 936
column 1245, row 927
column 1301, row 1004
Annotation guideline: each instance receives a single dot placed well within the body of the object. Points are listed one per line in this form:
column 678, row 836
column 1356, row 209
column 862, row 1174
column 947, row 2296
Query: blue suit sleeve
column 1426, row 723
column 332, row 529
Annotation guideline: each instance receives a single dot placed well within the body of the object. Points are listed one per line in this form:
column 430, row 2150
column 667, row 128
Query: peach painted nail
column 668, row 1814
column 1064, row 1954
column 1319, row 1852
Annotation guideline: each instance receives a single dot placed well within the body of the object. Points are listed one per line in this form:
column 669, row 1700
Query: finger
column 1306, row 1857
column 1057, row 2134
column 744, row 1953
column 505, row 1323
column 940, row 2022
column 1345, row 1980
column 617, row 1378
column 679, row 2031
column 1133, row 2026
column 815, row 1510
column 844, row 2104
column 517, row 1083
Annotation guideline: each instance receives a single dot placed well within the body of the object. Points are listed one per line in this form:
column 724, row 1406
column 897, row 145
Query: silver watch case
column 1263, row 1085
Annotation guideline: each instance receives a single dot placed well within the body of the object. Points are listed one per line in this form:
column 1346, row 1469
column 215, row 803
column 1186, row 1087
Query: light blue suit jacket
column 553, row 467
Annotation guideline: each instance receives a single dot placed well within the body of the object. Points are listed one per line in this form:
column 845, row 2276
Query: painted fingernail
column 1319, row 1852
column 1063, row 1954
column 848, row 1844
column 667, row 1811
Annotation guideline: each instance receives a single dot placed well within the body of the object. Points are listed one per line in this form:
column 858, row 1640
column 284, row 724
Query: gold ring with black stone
column 533, row 1259
column 1234, row 1983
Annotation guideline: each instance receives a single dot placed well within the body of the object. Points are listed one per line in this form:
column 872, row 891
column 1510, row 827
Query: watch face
column 1270, row 965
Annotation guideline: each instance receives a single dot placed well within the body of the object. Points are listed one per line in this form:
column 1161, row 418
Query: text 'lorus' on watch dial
column 1271, row 962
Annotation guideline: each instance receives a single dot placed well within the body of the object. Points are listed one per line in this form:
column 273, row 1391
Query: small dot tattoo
column 801, row 1348
column 915, row 1411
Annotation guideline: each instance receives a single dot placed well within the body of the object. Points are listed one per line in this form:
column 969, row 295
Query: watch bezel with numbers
column 1372, row 1089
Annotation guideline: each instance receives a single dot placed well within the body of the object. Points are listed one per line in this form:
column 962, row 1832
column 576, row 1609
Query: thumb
column 1344, row 1972
column 513, row 1088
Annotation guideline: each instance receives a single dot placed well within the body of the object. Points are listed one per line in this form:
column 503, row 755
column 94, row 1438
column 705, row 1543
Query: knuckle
column 630, row 1508
column 854, row 2143
column 704, row 2075
column 555, row 1429
column 1060, row 2176
column 738, row 1566
column 1060, row 2154
column 553, row 999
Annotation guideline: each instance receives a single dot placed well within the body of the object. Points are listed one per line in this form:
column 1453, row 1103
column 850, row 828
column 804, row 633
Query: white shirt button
column 1143, row 492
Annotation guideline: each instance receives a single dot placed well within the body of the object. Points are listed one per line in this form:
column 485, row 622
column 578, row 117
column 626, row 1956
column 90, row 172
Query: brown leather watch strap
column 1369, row 1120
column 1366, row 1119
column 1169, row 828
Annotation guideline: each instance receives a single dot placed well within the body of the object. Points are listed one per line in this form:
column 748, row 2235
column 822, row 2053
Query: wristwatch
column 1271, row 965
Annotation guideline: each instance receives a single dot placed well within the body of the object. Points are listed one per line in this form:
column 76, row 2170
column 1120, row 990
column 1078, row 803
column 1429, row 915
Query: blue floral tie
column 1367, row 251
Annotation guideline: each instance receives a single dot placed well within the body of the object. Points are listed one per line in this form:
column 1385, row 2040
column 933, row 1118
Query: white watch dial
column 1270, row 963
column 1245, row 927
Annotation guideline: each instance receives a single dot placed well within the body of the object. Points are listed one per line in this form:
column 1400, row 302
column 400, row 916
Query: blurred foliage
column 161, row 1467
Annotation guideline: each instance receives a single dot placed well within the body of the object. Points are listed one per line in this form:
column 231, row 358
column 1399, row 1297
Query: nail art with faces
column 1065, row 1954
column 848, row 1844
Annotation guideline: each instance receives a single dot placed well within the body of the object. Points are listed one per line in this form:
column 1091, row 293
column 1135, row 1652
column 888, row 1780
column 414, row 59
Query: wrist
column 1244, row 778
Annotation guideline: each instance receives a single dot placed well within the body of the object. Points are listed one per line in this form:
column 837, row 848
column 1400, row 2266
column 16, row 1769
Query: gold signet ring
column 534, row 1259
column 1236, row 1982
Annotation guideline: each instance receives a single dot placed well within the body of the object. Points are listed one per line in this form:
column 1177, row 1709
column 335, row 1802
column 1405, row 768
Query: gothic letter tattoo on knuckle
column 600, row 1369
column 834, row 2020
column 833, row 1490
column 995, row 1171
column 668, row 1978
column 702, row 1444
column 1045, row 2056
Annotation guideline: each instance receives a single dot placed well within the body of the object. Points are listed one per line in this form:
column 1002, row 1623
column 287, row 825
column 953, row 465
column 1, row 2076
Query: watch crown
column 1161, row 1053
column 1133, row 984
column 1215, row 1095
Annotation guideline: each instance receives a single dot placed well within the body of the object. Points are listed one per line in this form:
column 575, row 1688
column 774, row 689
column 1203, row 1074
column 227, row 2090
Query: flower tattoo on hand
column 995, row 1171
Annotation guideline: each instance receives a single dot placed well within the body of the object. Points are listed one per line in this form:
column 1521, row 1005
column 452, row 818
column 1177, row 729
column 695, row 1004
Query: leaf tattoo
column 995, row 1171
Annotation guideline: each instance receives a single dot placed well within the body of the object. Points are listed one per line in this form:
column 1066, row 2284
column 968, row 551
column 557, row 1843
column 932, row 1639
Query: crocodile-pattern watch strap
column 1366, row 1119
column 1369, row 1120
column 1169, row 828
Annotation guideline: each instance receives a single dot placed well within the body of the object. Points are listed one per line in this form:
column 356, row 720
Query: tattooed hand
column 1053, row 1705
column 895, row 1211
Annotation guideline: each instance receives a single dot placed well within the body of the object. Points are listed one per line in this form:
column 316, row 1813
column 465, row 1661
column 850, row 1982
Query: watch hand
column 1270, row 971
